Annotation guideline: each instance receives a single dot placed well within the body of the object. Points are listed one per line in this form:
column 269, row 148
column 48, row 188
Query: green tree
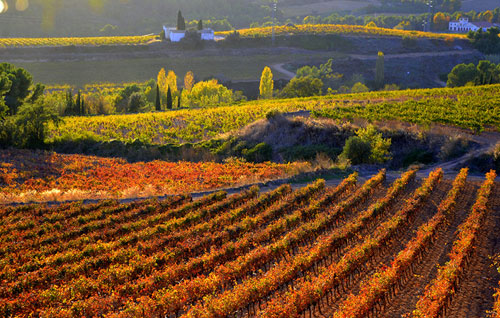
column 324, row 73
column 21, row 82
column 179, row 101
column 200, row 25
column 5, row 85
column 78, row 103
column 379, row 71
column 303, row 87
column 124, row 96
column 169, row 99
column 136, row 102
column 488, row 73
column 266, row 84
column 181, row 23
column 70, row 103
column 32, row 122
column 37, row 93
column 487, row 42
column 158, row 98
column 462, row 74
column 83, row 110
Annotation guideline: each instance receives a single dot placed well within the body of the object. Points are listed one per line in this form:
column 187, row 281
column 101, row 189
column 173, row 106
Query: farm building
column 463, row 25
column 175, row 35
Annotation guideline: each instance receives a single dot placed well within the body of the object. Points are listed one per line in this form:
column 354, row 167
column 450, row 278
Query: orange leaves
column 374, row 289
column 439, row 291
column 36, row 174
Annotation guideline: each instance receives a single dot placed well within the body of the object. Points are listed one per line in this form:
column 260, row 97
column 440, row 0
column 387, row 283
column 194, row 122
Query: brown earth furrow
column 378, row 193
column 406, row 299
column 474, row 297
column 428, row 209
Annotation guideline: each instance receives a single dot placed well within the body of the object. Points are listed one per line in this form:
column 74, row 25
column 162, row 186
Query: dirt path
column 486, row 141
column 280, row 68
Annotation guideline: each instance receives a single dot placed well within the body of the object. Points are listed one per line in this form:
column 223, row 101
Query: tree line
column 484, row 73
column 439, row 19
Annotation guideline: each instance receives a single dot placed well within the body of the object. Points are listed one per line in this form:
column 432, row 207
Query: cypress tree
column 70, row 103
column 78, row 105
column 169, row 99
column 200, row 25
column 158, row 98
column 181, row 23
column 379, row 70
column 179, row 102
column 83, row 106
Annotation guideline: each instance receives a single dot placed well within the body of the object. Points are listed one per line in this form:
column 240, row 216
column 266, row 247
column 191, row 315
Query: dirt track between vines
column 407, row 298
column 474, row 297
column 390, row 251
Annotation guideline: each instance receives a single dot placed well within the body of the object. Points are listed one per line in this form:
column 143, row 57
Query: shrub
column 356, row 150
column 260, row 153
column 391, row 87
column 359, row 88
column 308, row 152
column 379, row 146
column 496, row 152
column 418, row 156
column 367, row 147
column 273, row 113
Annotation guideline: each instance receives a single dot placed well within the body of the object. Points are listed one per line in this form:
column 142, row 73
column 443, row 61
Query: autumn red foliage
column 45, row 176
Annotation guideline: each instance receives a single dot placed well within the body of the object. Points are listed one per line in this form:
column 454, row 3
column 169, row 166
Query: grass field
column 324, row 8
column 80, row 73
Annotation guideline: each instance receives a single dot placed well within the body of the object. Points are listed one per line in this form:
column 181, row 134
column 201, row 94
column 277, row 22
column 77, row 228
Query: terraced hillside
column 354, row 250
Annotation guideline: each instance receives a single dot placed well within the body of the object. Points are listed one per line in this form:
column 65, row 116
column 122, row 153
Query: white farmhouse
column 207, row 34
column 175, row 35
column 463, row 25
